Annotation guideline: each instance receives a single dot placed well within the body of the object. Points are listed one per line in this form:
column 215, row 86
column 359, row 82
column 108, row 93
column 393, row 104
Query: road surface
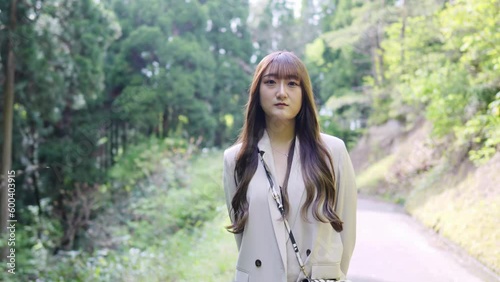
column 393, row 247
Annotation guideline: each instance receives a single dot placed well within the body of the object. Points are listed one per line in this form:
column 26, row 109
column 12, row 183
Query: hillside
column 440, row 187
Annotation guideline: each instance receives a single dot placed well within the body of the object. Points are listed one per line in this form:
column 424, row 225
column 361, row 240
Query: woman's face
column 280, row 98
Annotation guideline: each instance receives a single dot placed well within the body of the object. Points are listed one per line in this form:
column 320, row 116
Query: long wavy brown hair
column 317, row 164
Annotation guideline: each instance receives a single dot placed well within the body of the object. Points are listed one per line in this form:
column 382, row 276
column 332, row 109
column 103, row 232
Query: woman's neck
column 280, row 133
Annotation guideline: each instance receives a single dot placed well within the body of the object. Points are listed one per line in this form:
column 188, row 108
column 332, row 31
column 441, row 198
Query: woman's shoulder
column 332, row 142
column 231, row 152
column 337, row 148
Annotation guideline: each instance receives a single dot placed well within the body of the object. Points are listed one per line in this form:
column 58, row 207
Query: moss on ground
column 461, row 204
column 371, row 180
column 464, row 211
column 439, row 186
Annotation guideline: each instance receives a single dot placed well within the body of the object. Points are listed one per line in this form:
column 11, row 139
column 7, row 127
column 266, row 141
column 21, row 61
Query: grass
column 176, row 234
column 204, row 251
column 211, row 256
column 458, row 201
column 464, row 212
column 210, row 253
column 369, row 180
column 207, row 254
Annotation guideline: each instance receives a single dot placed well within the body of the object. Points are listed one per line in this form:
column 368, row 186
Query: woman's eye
column 293, row 83
column 270, row 81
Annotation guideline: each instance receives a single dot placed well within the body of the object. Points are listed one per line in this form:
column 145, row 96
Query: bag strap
column 277, row 199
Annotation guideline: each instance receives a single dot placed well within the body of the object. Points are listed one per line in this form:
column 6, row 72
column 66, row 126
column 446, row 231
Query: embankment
column 437, row 185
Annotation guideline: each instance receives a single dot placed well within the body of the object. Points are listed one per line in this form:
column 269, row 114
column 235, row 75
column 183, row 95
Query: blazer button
column 308, row 252
column 258, row 263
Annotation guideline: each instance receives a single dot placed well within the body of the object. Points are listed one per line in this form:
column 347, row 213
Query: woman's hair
column 317, row 165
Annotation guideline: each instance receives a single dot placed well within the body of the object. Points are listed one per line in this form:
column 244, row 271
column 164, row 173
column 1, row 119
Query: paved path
column 393, row 247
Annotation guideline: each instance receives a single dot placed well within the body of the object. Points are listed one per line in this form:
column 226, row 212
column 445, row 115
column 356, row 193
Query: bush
column 156, row 203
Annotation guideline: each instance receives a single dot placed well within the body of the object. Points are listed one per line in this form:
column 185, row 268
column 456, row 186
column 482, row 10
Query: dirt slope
column 440, row 188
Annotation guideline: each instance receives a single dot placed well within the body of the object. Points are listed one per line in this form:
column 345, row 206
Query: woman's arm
column 230, row 187
column 346, row 206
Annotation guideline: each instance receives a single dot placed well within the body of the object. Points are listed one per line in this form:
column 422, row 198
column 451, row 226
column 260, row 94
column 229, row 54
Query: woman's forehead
column 282, row 70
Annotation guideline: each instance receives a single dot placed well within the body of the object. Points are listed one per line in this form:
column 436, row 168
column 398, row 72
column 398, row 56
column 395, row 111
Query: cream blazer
column 265, row 251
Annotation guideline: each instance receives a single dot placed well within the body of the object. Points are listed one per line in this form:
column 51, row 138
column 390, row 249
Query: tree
column 230, row 41
column 341, row 58
column 162, row 71
column 279, row 27
column 7, row 122
column 162, row 63
column 59, row 49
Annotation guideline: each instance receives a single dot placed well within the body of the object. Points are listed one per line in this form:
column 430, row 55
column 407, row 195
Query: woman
column 281, row 147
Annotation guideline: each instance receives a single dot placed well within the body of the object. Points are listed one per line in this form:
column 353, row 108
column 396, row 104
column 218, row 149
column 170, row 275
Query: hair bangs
column 284, row 66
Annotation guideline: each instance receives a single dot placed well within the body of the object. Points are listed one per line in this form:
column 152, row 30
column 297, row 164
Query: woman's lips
column 280, row 104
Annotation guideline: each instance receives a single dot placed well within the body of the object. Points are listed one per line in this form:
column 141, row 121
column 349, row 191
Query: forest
column 115, row 113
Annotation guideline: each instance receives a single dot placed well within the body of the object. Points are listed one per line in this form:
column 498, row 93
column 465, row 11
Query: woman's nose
column 281, row 89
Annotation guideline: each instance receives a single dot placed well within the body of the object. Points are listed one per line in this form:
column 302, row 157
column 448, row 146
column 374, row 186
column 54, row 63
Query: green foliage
column 446, row 64
column 35, row 238
column 139, row 162
column 371, row 179
column 167, row 194
column 177, row 215
column 338, row 60
column 94, row 81
column 231, row 42
column 483, row 131
column 159, row 201
column 341, row 117
column 163, row 71
column 59, row 49
column 452, row 202
column 210, row 253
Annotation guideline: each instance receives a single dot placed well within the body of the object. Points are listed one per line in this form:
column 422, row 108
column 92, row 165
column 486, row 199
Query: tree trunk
column 378, row 52
column 7, row 126
column 124, row 136
column 402, row 35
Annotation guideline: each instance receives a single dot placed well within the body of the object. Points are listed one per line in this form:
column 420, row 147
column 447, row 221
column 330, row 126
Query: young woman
column 284, row 174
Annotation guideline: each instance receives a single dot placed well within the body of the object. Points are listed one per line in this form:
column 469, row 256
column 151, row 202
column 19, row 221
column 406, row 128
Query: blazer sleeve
column 346, row 206
column 230, row 188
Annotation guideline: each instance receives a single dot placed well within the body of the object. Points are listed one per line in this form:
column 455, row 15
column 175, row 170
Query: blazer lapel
column 278, row 225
